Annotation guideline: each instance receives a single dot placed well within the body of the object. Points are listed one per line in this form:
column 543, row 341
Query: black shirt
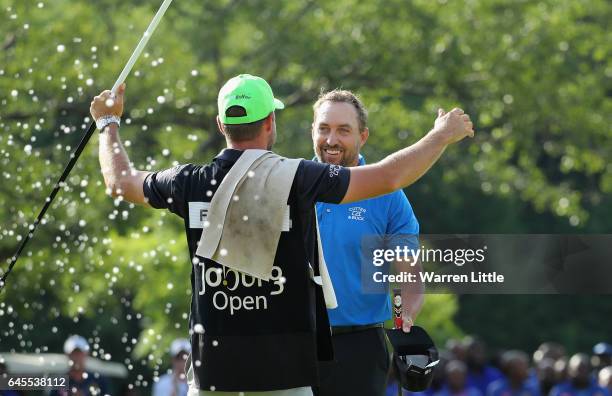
column 249, row 334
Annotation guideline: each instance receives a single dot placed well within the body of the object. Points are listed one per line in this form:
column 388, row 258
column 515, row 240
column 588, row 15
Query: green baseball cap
column 252, row 93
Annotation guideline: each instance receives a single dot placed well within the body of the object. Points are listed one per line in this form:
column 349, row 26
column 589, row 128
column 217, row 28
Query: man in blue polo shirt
column 361, row 359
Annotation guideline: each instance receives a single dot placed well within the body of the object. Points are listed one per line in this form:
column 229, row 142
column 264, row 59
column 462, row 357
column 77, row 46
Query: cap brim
column 278, row 105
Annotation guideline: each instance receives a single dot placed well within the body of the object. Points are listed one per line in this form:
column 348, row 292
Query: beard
column 345, row 158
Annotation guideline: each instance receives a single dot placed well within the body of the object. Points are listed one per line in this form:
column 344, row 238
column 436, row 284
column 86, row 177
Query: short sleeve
column 402, row 224
column 165, row 189
column 318, row 182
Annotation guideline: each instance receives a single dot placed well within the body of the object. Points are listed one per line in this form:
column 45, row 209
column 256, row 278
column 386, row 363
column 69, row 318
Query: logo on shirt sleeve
column 334, row 170
column 198, row 212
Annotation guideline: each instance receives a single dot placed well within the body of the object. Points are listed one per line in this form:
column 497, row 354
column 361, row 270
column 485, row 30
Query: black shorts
column 360, row 366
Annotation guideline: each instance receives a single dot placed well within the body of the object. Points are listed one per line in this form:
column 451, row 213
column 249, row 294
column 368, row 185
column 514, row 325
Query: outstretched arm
column 406, row 166
column 121, row 179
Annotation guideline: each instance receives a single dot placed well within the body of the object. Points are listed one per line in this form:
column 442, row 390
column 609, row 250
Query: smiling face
column 335, row 134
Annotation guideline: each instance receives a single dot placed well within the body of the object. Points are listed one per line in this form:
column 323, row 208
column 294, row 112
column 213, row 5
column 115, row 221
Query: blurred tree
column 535, row 76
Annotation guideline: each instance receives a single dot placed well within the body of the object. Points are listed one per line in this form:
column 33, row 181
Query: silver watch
column 103, row 121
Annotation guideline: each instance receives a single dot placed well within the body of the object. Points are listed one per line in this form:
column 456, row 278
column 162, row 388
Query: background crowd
column 534, row 74
column 467, row 369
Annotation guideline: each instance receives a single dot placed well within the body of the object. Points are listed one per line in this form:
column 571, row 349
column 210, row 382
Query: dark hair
column 242, row 132
column 344, row 96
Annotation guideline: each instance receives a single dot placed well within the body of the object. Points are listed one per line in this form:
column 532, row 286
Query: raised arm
column 119, row 175
column 406, row 166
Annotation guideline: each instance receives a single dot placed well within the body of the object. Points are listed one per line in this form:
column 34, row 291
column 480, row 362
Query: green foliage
column 524, row 322
column 435, row 316
column 535, row 76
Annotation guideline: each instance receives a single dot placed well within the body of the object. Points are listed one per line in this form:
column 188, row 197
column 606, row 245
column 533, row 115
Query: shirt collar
column 228, row 154
column 360, row 163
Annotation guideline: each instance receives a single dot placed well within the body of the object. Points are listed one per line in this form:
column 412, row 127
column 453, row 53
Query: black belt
column 354, row 329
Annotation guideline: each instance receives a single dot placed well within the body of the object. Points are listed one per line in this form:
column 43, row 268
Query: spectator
column 175, row 383
column 80, row 381
column 516, row 367
column 602, row 356
column 605, row 378
column 457, row 349
column 579, row 381
column 480, row 374
column 561, row 370
column 4, row 370
column 550, row 350
column 456, row 381
column 546, row 376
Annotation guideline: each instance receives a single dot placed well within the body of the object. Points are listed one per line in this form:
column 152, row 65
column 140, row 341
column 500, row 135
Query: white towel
column 246, row 217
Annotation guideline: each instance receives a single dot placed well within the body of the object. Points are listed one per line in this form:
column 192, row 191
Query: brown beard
column 344, row 161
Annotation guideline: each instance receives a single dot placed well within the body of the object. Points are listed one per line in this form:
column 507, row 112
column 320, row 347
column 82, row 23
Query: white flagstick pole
column 143, row 42
column 77, row 152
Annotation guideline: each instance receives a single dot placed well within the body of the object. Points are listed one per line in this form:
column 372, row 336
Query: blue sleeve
column 402, row 224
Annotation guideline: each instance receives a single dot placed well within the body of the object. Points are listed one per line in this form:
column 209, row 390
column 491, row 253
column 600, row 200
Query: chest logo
column 357, row 213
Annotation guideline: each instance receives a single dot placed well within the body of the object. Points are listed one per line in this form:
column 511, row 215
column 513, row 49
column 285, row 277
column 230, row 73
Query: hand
column 407, row 321
column 107, row 104
column 453, row 126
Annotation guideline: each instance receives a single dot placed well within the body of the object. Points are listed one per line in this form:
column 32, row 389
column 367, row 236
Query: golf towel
column 247, row 214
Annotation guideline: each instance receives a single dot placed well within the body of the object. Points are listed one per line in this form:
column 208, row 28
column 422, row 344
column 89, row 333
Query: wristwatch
column 103, row 121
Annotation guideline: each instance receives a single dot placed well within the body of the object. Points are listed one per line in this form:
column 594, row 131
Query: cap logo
column 243, row 96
